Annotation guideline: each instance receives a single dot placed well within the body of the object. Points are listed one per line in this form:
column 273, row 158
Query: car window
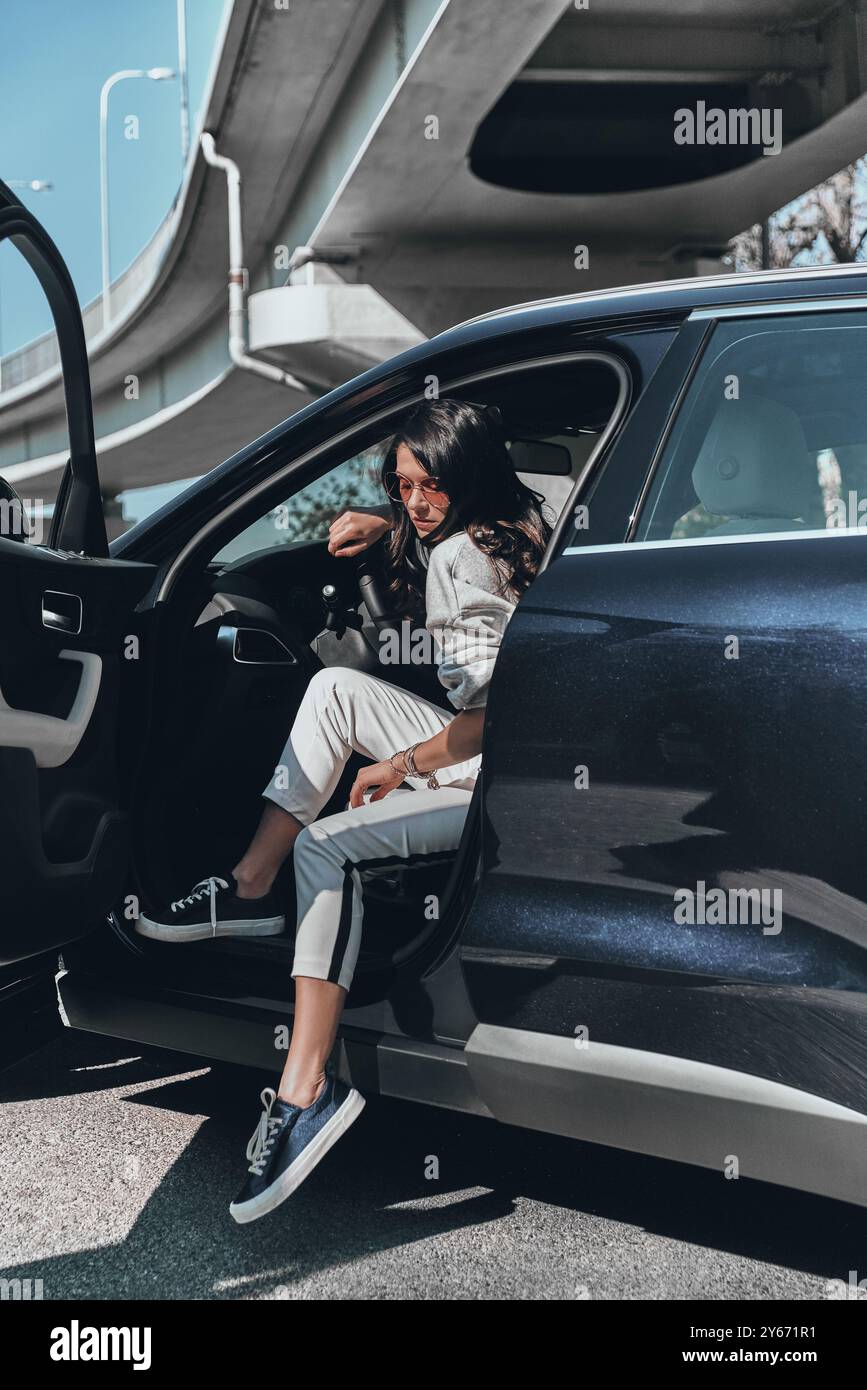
column 567, row 405
column 556, row 489
column 772, row 436
column 32, row 458
column 135, row 504
column 307, row 514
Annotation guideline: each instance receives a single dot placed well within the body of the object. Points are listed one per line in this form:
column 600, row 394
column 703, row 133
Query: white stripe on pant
column 345, row 710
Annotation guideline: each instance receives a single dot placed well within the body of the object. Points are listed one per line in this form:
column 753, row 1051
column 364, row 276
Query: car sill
column 672, row 1108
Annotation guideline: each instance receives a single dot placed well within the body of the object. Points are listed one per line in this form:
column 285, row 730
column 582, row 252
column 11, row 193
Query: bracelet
column 398, row 772
column 414, row 772
column 409, row 756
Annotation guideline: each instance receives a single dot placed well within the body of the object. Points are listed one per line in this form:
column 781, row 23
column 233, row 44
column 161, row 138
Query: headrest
column 754, row 462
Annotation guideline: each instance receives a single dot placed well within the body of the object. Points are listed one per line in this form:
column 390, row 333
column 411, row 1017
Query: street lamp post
column 155, row 75
column 184, row 83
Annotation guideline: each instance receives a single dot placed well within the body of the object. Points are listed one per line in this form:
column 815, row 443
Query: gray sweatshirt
column 466, row 616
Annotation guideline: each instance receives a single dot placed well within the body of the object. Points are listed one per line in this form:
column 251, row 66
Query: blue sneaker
column 288, row 1142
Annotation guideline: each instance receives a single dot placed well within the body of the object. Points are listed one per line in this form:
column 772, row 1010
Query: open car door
column 67, row 612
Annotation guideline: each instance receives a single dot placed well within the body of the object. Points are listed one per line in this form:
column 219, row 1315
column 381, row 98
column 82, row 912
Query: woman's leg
column 256, row 870
column 318, row 1006
column 403, row 827
column 312, row 1109
column 343, row 710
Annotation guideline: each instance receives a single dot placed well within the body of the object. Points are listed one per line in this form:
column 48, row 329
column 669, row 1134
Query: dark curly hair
column 463, row 446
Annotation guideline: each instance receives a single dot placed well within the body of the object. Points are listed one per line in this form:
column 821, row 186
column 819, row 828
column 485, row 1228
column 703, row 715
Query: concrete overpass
column 441, row 159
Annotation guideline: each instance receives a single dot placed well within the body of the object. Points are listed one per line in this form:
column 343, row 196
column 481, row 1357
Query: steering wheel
column 373, row 589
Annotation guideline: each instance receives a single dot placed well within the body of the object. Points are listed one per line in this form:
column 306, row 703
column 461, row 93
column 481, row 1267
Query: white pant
column 345, row 710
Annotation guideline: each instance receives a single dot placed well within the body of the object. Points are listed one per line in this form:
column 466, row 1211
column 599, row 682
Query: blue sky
column 56, row 55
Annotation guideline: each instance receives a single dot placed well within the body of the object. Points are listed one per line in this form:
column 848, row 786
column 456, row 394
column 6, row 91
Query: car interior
column 779, row 451
column 270, row 608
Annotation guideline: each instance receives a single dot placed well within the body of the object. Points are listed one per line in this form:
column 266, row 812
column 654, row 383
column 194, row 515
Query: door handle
column 53, row 741
column 62, row 611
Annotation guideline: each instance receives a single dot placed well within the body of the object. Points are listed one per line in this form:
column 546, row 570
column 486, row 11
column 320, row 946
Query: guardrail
column 40, row 355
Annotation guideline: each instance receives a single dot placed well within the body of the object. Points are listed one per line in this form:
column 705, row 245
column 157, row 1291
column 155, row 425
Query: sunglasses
column 400, row 489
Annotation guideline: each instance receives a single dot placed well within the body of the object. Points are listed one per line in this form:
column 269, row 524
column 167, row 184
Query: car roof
column 695, row 291
column 656, row 300
column 691, row 292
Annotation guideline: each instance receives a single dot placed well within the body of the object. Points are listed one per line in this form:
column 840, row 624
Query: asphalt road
column 117, row 1167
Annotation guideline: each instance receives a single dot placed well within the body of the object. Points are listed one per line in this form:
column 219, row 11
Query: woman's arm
column 352, row 532
column 456, row 743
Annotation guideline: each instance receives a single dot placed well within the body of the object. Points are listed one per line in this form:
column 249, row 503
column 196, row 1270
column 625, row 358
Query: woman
column 468, row 532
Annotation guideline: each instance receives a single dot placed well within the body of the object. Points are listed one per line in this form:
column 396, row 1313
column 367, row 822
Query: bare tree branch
column 828, row 223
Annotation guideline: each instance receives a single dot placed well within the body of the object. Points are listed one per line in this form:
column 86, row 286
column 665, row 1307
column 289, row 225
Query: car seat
column 755, row 468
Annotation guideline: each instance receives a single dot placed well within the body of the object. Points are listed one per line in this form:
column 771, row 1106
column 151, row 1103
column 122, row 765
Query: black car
column 654, row 933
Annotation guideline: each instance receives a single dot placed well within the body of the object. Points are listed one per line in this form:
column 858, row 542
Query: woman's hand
column 460, row 740
column 352, row 532
column 379, row 775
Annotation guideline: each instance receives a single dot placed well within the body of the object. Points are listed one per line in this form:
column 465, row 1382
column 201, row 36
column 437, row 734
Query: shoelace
column 266, row 1131
column 207, row 888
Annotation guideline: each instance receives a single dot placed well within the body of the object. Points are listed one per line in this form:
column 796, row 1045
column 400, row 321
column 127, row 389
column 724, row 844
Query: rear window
column 772, row 436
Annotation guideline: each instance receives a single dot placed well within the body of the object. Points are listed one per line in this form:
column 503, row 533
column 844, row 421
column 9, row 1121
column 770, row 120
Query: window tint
column 772, row 436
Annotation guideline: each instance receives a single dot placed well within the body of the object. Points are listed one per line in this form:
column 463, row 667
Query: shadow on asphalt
column 370, row 1194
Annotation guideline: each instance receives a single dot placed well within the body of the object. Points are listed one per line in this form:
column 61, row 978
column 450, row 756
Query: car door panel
column 51, row 739
column 69, row 660
column 735, row 774
column 63, row 835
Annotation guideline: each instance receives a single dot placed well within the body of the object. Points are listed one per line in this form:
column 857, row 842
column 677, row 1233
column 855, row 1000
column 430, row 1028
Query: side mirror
column 14, row 521
column 539, row 456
